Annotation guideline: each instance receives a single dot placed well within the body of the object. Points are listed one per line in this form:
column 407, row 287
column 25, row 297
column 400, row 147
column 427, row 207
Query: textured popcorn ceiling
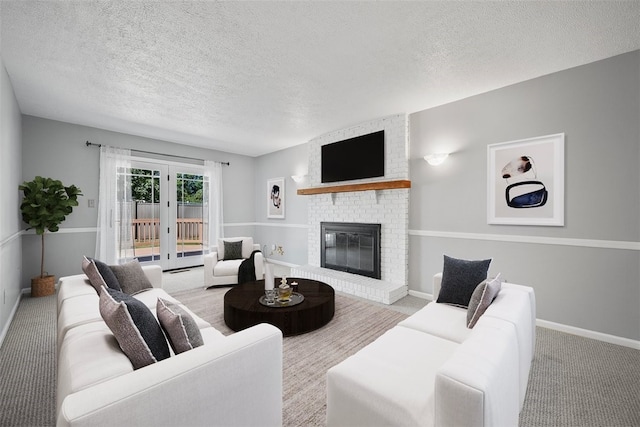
column 255, row 77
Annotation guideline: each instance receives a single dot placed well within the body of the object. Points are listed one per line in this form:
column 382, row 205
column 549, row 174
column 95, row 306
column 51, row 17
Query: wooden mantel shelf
column 377, row 185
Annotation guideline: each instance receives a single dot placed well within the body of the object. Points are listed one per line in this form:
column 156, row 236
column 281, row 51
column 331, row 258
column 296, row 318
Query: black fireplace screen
column 351, row 247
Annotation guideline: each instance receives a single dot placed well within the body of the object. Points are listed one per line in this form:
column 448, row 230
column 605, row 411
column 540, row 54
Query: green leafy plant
column 45, row 205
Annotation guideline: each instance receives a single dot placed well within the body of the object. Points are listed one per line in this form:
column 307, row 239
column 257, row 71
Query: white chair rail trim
column 589, row 243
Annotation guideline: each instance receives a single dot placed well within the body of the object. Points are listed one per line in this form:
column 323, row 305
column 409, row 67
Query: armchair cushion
column 227, row 268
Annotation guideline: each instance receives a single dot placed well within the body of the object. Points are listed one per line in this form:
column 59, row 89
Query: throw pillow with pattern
column 135, row 328
column 106, row 274
column 179, row 326
column 95, row 278
column 481, row 299
column 460, row 278
column 232, row 250
column 131, row 277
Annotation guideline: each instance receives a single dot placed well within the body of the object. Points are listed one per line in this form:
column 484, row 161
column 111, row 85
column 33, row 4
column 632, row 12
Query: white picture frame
column 275, row 198
column 525, row 181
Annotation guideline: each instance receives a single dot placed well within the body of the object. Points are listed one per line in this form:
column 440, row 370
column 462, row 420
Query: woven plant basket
column 43, row 286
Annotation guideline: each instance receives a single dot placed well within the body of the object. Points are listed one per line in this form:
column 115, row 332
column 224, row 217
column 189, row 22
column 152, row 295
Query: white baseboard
column 612, row 339
column 539, row 240
column 10, row 319
column 421, row 295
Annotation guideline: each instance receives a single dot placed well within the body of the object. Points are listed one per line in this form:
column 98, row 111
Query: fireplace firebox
column 351, row 247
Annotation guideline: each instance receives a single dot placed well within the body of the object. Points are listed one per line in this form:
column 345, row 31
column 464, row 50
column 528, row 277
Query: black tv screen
column 355, row 158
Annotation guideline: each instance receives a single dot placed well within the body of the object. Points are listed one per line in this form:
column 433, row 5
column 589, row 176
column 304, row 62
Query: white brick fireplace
column 390, row 208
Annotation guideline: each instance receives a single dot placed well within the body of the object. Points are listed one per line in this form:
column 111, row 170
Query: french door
column 168, row 214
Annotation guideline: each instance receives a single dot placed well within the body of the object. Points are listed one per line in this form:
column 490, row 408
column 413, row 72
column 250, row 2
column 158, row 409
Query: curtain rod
column 91, row 144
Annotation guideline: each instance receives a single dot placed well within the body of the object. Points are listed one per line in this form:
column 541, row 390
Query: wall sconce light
column 298, row 178
column 436, row 158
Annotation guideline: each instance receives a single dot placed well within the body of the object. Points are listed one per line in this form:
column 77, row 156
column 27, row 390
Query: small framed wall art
column 275, row 198
column 525, row 181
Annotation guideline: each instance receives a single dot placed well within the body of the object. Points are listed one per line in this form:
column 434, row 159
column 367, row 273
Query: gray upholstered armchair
column 222, row 263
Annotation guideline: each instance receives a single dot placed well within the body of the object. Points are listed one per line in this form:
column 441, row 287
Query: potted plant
column 45, row 205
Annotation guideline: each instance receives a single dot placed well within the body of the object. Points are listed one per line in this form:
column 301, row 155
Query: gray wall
column 592, row 282
column 10, row 222
column 582, row 276
column 290, row 232
column 586, row 274
column 57, row 149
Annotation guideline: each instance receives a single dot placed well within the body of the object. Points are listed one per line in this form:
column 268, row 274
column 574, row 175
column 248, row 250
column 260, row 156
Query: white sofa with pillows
column 461, row 361
column 139, row 357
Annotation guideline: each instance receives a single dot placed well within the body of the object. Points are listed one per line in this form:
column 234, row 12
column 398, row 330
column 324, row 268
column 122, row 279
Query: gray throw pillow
column 459, row 280
column 131, row 277
column 135, row 328
column 481, row 299
column 89, row 268
column 179, row 326
column 232, row 250
column 107, row 275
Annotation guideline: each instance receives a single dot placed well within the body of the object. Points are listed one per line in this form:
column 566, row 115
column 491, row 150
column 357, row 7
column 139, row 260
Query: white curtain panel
column 212, row 203
column 114, row 241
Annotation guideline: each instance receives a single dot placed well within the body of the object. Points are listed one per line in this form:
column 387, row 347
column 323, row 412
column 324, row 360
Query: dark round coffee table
column 243, row 310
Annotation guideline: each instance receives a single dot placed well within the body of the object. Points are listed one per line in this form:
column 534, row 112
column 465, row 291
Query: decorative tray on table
column 296, row 298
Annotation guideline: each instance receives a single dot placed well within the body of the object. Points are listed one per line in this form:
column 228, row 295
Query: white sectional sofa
column 431, row 370
column 233, row 380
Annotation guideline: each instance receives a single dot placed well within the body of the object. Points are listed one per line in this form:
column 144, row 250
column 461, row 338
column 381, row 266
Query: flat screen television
column 355, row 158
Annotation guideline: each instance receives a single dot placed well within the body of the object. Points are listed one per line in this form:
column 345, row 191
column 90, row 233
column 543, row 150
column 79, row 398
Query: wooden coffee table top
column 243, row 310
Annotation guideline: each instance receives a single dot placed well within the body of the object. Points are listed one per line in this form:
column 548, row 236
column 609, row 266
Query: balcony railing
column 147, row 230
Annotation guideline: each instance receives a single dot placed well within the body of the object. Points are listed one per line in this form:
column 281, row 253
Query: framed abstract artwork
column 275, row 198
column 525, row 181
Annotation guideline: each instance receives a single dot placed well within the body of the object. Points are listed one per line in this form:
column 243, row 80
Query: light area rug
column 307, row 357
